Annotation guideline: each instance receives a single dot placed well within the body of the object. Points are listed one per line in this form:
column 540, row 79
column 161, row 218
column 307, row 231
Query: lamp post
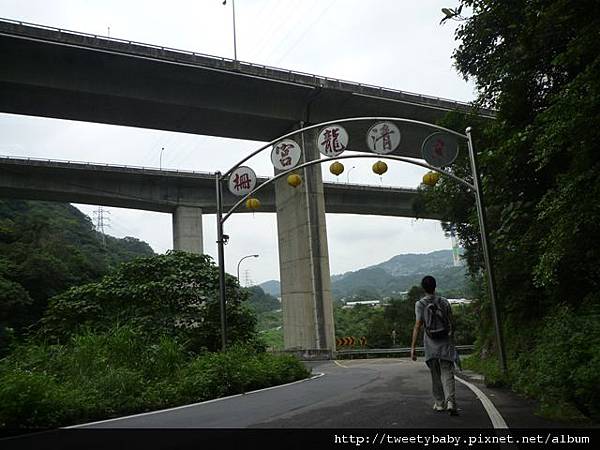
column 160, row 158
column 240, row 261
column 234, row 37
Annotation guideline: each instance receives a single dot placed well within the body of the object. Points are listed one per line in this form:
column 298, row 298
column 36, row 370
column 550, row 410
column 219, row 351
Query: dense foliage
column 260, row 302
column 536, row 62
column 96, row 376
column 46, row 248
column 142, row 338
column 175, row 294
column 377, row 324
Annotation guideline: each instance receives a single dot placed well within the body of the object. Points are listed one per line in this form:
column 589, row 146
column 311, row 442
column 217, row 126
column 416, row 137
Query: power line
column 287, row 22
column 269, row 32
column 306, row 30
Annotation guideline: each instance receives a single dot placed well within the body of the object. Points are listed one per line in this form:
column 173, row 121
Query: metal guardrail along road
column 392, row 351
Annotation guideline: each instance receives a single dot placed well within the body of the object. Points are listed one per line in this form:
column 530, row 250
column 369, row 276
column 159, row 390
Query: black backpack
column 437, row 323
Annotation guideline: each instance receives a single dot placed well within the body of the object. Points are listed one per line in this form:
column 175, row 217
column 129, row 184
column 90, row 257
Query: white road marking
column 319, row 375
column 494, row 415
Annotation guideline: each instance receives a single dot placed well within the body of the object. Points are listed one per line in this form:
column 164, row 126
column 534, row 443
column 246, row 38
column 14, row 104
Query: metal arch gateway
column 475, row 188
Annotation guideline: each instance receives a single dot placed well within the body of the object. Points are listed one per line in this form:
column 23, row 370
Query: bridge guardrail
column 96, row 164
column 379, row 89
column 193, row 172
column 391, row 351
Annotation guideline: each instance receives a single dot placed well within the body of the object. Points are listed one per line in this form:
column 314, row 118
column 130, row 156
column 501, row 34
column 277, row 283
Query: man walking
column 434, row 314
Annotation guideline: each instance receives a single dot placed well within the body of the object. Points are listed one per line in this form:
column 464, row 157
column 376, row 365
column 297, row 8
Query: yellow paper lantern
column 431, row 178
column 336, row 168
column 253, row 203
column 294, row 180
column 380, row 167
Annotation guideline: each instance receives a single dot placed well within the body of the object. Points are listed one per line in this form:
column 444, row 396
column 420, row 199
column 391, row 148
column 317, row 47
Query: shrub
column 96, row 376
column 556, row 361
column 174, row 294
column 564, row 365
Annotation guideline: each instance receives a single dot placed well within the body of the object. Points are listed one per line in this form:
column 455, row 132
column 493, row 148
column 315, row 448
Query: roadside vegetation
column 377, row 324
column 536, row 63
column 99, row 375
column 46, row 248
column 145, row 337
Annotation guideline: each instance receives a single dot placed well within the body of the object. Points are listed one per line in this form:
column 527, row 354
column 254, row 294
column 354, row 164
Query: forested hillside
column 536, row 63
column 400, row 273
column 397, row 274
column 46, row 248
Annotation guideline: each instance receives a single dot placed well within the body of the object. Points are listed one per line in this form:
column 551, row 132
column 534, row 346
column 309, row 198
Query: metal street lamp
column 234, row 37
column 160, row 158
column 240, row 261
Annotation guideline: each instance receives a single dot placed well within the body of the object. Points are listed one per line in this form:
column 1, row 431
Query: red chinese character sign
column 242, row 181
column 383, row 138
column 332, row 140
column 440, row 149
column 286, row 154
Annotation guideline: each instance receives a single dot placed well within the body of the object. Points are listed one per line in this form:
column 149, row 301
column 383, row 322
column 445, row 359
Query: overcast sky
column 392, row 43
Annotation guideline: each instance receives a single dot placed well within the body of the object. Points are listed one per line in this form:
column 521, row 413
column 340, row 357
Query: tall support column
column 304, row 260
column 187, row 229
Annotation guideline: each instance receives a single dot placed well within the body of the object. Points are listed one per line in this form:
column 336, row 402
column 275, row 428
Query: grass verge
column 101, row 376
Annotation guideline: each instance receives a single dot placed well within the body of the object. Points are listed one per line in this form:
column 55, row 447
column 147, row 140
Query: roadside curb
column 469, row 375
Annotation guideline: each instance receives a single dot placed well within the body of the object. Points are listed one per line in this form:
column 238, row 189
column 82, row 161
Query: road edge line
column 314, row 377
column 492, row 412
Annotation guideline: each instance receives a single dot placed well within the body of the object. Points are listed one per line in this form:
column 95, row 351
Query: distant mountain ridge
column 395, row 275
column 271, row 287
column 409, row 264
column 399, row 273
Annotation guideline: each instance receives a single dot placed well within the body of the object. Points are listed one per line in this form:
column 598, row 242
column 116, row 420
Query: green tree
column 261, row 302
column 46, row 248
column 400, row 317
column 536, row 63
column 175, row 294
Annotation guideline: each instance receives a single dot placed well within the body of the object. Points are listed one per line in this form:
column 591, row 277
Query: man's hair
column 428, row 283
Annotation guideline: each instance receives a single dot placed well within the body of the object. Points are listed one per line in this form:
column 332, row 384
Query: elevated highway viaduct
column 63, row 74
column 186, row 195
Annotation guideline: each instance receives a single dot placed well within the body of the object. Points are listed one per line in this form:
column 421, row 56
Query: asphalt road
column 374, row 393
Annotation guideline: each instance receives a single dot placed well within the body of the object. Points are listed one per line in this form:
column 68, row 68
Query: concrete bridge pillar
column 304, row 260
column 187, row 229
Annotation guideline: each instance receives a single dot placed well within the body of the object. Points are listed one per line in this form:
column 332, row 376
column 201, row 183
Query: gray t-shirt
column 439, row 348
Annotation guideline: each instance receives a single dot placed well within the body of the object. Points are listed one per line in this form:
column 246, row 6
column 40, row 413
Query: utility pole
column 247, row 280
column 102, row 221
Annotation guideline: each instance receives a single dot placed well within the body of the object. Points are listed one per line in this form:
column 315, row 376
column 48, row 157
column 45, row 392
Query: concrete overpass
column 69, row 75
column 185, row 194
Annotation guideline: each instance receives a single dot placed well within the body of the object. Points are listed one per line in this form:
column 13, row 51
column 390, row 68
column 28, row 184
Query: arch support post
column 304, row 260
column 487, row 253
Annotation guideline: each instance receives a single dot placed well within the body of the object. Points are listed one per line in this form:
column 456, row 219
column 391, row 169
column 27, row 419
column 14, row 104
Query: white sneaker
column 438, row 407
column 452, row 409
